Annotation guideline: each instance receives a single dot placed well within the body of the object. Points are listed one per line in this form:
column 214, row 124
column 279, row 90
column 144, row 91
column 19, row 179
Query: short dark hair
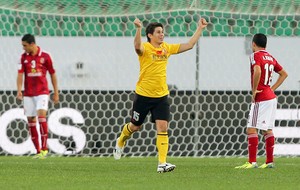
column 260, row 40
column 151, row 27
column 29, row 38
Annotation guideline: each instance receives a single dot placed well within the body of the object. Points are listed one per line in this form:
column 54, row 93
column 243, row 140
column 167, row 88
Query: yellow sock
column 162, row 144
column 125, row 134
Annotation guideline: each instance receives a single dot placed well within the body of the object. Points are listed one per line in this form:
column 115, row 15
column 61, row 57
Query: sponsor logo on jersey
column 162, row 52
column 34, row 74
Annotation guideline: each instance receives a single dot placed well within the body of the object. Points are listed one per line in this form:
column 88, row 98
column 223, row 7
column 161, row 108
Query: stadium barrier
column 88, row 122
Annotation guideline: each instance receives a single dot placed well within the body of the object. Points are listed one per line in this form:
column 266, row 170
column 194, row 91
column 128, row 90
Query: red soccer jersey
column 268, row 64
column 35, row 69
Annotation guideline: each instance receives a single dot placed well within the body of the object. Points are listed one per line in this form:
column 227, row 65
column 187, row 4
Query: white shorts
column 262, row 115
column 34, row 103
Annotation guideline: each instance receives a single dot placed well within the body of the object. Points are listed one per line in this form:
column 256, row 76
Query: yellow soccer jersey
column 153, row 69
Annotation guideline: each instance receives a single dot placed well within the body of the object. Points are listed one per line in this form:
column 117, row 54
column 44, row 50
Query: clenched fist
column 137, row 23
column 202, row 23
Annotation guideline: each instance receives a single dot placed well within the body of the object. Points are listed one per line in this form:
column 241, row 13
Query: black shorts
column 159, row 108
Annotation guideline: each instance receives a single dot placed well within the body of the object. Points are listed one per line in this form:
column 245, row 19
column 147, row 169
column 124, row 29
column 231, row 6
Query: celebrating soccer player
column 151, row 94
column 264, row 102
column 34, row 65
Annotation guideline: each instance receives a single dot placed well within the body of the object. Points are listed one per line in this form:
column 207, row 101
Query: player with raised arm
column 34, row 66
column 264, row 101
column 151, row 93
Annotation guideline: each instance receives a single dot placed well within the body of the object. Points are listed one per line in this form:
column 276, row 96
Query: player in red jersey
column 34, row 66
column 264, row 101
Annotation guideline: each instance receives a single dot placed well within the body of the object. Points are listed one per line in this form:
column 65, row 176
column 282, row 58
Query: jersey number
column 33, row 64
column 269, row 72
column 136, row 116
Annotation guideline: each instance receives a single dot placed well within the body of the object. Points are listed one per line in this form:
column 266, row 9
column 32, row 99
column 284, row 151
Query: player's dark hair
column 260, row 40
column 28, row 38
column 151, row 27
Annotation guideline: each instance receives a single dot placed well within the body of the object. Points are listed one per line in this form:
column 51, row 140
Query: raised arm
column 193, row 40
column 138, row 37
column 55, row 88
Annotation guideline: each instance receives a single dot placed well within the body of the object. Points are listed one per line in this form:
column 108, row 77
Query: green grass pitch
column 140, row 173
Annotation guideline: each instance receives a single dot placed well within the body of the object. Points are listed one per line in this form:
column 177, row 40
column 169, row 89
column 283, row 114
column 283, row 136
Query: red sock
column 34, row 136
column 44, row 131
column 252, row 147
column 269, row 142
